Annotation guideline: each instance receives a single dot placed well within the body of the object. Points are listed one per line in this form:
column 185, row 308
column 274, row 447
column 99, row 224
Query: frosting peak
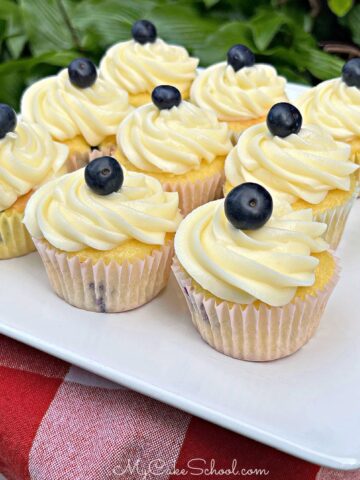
column 139, row 68
column 174, row 141
column 243, row 95
column 303, row 166
column 71, row 217
column 67, row 111
column 268, row 264
column 28, row 158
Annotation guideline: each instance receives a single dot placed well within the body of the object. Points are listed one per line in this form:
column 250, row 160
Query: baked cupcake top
column 304, row 165
column 224, row 248
column 171, row 135
column 68, row 106
column 102, row 207
column 335, row 104
column 238, row 89
column 139, row 65
column 28, row 157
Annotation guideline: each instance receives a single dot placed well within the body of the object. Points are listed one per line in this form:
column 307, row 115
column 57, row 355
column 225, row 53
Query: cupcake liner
column 15, row 240
column 255, row 333
column 335, row 218
column 106, row 288
column 191, row 194
column 77, row 160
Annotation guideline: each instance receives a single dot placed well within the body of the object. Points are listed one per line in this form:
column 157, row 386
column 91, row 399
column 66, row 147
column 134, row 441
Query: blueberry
column 104, row 175
column 283, row 119
column 82, row 72
column 248, row 206
column 143, row 32
column 8, row 119
column 240, row 56
column 351, row 73
column 166, row 97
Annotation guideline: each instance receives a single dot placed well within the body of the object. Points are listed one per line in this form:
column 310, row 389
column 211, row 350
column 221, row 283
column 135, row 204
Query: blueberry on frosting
column 104, row 175
column 283, row 119
column 82, row 73
column 8, row 119
column 351, row 73
column 248, row 206
column 240, row 56
column 143, row 32
column 166, row 97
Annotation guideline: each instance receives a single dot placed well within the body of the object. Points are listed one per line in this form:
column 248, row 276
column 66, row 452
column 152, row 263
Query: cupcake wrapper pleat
column 77, row 160
column 106, row 288
column 335, row 218
column 15, row 240
column 255, row 333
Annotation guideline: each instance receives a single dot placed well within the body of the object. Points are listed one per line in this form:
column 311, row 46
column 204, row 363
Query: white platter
column 306, row 404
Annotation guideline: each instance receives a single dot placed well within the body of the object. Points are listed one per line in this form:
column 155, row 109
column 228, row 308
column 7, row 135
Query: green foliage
column 39, row 37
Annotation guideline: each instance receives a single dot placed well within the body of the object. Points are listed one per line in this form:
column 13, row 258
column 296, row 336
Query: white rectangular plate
column 306, row 404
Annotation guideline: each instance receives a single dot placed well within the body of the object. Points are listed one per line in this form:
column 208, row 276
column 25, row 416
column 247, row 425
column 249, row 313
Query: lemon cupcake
column 335, row 106
column 76, row 107
column 302, row 165
column 180, row 144
column 139, row 65
column 256, row 283
column 28, row 158
column 239, row 91
column 105, row 236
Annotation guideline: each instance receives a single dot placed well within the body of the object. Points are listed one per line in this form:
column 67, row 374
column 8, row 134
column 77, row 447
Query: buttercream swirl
column 303, row 166
column 140, row 68
column 67, row 111
column 28, row 158
column 243, row 95
column 334, row 106
column 268, row 264
column 173, row 141
column 71, row 217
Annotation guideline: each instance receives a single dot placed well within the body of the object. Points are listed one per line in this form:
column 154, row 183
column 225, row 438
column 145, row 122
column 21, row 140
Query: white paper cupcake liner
column 106, row 288
column 78, row 160
column 335, row 218
column 255, row 333
column 191, row 194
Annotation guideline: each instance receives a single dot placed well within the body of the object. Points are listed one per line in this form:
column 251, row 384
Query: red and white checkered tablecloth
column 58, row 422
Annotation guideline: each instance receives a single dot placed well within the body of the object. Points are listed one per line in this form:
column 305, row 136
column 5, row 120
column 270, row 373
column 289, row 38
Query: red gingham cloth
column 58, row 422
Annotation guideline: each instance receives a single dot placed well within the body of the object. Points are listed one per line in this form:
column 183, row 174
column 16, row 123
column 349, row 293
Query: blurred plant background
column 307, row 41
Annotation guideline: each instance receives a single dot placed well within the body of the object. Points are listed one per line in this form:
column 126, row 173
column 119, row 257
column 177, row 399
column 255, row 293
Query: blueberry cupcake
column 28, row 158
column 302, row 165
column 76, row 107
column 256, row 281
column 105, row 235
column 239, row 91
column 335, row 106
column 146, row 61
column 181, row 145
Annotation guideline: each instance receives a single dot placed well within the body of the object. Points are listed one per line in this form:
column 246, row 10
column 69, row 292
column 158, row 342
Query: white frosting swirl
column 71, row 217
column 335, row 107
column 243, row 95
column 140, row 68
column 28, row 158
column 67, row 111
column 268, row 264
column 304, row 166
column 173, row 141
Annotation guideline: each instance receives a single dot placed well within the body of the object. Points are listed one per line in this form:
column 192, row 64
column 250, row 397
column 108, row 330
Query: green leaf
column 11, row 88
column 321, row 64
column 353, row 22
column 340, row 7
column 265, row 26
column 210, row 3
column 60, row 59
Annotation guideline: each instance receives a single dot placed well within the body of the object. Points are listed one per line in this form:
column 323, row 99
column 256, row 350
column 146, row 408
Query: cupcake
column 105, row 236
column 239, row 91
column 139, row 65
column 335, row 106
column 28, row 158
column 76, row 107
column 302, row 165
column 256, row 282
column 180, row 144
